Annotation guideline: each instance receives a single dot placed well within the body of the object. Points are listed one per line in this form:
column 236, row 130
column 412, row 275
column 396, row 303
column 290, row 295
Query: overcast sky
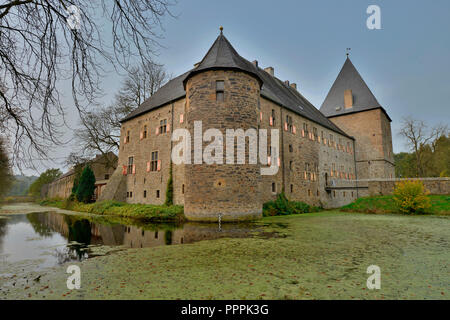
column 406, row 64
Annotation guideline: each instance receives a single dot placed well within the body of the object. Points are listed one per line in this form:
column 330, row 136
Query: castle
column 324, row 157
column 103, row 166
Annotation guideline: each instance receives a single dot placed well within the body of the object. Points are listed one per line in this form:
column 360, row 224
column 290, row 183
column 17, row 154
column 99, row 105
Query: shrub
column 282, row 206
column 410, row 197
column 169, row 190
column 86, row 186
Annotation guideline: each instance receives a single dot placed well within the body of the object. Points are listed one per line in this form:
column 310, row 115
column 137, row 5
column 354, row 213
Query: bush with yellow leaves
column 410, row 197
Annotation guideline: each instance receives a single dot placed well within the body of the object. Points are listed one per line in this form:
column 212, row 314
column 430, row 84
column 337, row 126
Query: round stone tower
column 222, row 93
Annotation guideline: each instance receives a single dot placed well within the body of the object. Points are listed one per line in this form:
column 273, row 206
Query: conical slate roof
column 348, row 78
column 222, row 55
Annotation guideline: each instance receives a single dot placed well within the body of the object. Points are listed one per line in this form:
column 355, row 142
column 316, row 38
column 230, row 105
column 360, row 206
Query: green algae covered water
column 311, row 256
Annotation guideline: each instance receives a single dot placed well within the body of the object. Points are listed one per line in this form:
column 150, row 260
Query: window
column 128, row 194
column 220, row 87
column 157, row 193
column 289, row 123
column 273, row 117
column 331, row 140
column 315, row 133
column 291, row 165
column 321, row 134
column 291, row 149
column 128, row 136
column 106, row 176
column 274, row 187
column 305, row 128
column 309, row 192
column 145, row 193
column 292, row 188
column 154, row 161
column 163, row 126
column 130, row 165
column 182, row 189
column 131, row 194
column 144, row 133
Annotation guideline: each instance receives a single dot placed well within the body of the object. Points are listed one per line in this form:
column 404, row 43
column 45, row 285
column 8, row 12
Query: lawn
column 321, row 255
column 440, row 205
column 148, row 212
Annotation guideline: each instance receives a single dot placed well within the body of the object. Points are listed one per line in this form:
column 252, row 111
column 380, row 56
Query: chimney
column 270, row 71
column 294, row 86
column 255, row 63
column 348, row 99
column 286, row 82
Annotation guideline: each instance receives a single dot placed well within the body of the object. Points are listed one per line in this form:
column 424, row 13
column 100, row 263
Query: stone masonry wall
column 232, row 190
column 143, row 185
column 305, row 159
column 372, row 130
column 385, row 187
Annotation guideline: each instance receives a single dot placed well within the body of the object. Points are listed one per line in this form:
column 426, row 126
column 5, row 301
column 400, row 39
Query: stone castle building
column 321, row 153
column 103, row 167
column 352, row 107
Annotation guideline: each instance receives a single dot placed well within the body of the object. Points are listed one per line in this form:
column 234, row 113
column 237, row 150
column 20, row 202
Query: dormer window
column 220, row 87
column 348, row 99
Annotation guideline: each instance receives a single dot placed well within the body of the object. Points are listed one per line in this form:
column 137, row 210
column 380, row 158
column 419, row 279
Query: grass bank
column 148, row 212
column 16, row 199
column 440, row 205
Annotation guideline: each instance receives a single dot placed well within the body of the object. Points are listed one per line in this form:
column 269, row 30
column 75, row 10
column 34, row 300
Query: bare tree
column 6, row 177
column 141, row 83
column 418, row 136
column 45, row 42
column 100, row 130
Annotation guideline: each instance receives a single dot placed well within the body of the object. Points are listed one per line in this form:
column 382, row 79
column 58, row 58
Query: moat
column 323, row 255
column 54, row 237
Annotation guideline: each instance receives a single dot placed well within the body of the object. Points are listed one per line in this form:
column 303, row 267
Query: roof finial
column 348, row 51
column 221, row 30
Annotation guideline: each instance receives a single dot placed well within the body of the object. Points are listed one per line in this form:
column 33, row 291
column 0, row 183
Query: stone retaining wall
column 386, row 186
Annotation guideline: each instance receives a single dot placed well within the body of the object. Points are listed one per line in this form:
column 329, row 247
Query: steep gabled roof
column 222, row 55
column 363, row 98
column 171, row 91
column 277, row 91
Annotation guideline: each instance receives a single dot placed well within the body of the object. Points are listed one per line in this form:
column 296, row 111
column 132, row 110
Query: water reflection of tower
column 136, row 237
